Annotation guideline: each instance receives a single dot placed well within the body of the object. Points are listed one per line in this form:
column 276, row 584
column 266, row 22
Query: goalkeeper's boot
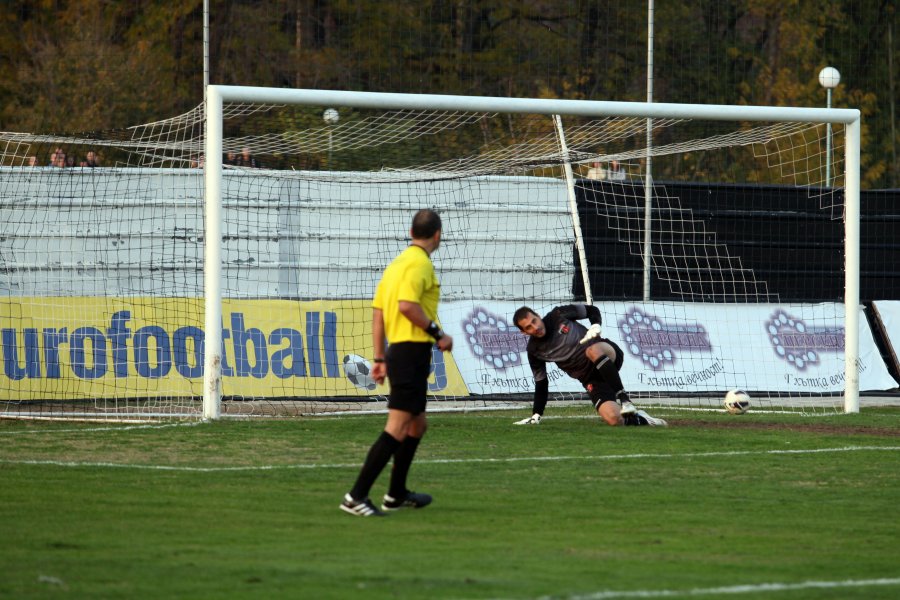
column 534, row 419
column 411, row 500
column 625, row 404
column 646, row 419
column 360, row 508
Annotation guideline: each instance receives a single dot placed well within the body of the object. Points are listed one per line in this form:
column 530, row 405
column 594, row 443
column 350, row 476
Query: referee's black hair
column 425, row 224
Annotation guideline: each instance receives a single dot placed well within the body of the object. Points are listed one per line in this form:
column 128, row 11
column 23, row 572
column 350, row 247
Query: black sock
column 607, row 370
column 403, row 458
column 379, row 455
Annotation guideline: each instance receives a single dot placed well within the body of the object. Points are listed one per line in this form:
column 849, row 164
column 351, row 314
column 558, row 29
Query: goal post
column 218, row 96
column 851, row 269
column 221, row 263
column 212, row 264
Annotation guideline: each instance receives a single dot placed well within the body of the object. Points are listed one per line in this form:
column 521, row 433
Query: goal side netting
column 225, row 267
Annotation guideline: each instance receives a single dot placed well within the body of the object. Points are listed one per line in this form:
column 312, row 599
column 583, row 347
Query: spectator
column 596, row 171
column 58, row 158
column 91, row 160
column 230, row 158
column 616, row 172
column 31, row 161
column 246, row 159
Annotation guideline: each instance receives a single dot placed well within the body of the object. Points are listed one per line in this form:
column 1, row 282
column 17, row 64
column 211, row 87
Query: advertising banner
column 66, row 348
column 678, row 347
column 70, row 348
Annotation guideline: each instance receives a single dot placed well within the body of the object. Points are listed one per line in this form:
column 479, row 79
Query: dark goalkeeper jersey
column 561, row 344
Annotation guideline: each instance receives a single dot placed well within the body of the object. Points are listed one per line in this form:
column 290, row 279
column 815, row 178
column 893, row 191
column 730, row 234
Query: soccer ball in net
column 331, row 116
column 737, row 402
column 359, row 372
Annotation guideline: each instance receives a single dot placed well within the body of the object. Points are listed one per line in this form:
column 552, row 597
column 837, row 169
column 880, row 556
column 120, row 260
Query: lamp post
column 331, row 116
column 829, row 78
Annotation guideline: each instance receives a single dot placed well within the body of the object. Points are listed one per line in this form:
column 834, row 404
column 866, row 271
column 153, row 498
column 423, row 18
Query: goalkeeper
column 584, row 355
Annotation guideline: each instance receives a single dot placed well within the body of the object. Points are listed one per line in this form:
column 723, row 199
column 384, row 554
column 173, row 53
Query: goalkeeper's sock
column 607, row 370
column 632, row 420
column 403, row 457
column 379, row 455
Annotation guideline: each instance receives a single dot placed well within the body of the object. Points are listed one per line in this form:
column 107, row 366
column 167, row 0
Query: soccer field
column 753, row 506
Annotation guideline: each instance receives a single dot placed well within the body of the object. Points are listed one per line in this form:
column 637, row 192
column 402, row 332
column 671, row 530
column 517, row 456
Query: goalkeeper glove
column 534, row 419
column 592, row 332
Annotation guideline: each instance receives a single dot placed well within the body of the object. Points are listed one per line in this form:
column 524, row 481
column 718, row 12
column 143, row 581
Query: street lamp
column 829, row 78
column 331, row 116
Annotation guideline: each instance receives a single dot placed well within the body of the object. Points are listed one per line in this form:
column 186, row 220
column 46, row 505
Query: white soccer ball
column 359, row 372
column 737, row 402
column 331, row 116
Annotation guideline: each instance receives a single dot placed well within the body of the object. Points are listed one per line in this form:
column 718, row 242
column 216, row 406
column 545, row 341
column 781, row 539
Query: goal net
column 222, row 262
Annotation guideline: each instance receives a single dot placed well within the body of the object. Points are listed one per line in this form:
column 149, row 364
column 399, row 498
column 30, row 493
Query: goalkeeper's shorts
column 599, row 390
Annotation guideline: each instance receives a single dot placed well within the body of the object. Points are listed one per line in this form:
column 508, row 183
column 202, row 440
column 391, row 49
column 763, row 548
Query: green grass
column 569, row 508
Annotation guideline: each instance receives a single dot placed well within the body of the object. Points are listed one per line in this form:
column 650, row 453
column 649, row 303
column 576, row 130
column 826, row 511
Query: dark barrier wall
column 782, row 242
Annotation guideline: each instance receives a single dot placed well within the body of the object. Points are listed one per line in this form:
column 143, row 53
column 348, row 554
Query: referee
column 404, row 311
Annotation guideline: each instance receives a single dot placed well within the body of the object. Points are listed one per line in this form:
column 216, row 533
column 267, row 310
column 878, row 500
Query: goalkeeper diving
column 583, row 354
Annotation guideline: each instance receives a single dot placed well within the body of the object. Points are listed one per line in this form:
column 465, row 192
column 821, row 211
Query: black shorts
column 598, row 389
column 408, row 368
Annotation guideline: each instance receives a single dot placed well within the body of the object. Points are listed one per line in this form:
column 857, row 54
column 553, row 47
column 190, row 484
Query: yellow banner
column 78, row 348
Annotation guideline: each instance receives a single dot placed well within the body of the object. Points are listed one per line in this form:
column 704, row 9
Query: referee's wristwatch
column 434, row 331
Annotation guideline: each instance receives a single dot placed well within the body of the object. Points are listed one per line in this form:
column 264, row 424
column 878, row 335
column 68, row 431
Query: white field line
column 735, row 589
column 442, row 461
column 109, row 428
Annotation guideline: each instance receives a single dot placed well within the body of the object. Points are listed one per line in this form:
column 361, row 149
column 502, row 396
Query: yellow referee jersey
column 409, row 277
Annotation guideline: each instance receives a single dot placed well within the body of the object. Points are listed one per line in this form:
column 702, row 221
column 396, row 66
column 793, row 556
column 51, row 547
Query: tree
column 74, row 65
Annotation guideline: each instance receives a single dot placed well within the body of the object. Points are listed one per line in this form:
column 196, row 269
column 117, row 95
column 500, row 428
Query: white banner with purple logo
column 677, row 347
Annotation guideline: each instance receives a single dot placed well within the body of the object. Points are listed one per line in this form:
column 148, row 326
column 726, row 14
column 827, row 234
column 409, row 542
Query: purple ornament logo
column 657, row 343
column 799, row 344
column 493, row 340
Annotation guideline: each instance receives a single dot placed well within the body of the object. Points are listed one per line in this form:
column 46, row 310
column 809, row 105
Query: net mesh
column 103, row 237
